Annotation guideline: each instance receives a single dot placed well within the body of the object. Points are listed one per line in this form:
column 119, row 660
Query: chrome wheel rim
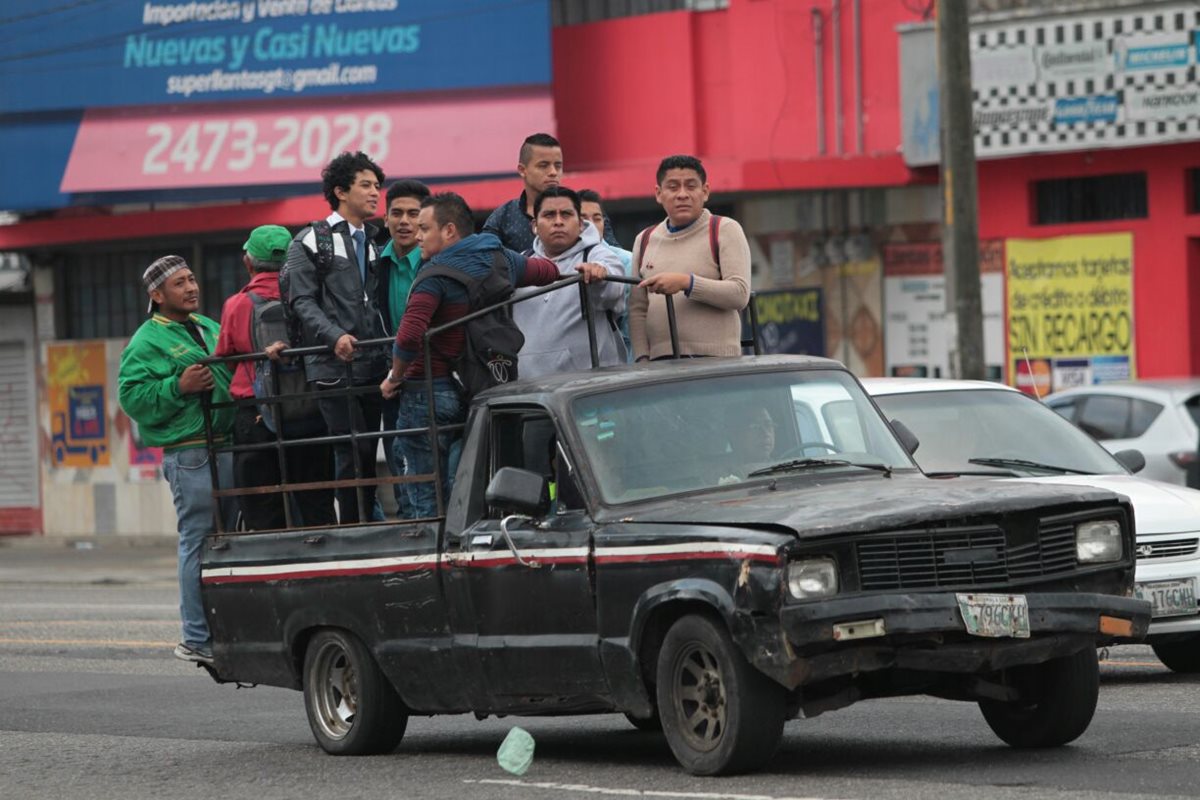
column 699, row 697
column 334, row 691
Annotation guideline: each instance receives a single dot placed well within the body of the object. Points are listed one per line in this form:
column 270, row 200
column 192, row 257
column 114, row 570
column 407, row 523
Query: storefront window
column 1090, row 199
column 100, row 294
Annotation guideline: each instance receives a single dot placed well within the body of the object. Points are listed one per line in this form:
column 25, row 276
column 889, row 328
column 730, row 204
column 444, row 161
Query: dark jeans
column 364, row 412
column 415, row 449
column 306, row 464
column 395, row 462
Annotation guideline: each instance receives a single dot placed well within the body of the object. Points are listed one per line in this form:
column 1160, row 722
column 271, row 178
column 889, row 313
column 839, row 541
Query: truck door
column 535, row 621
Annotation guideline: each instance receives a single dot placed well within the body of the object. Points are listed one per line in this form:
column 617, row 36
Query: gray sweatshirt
column 556, row 338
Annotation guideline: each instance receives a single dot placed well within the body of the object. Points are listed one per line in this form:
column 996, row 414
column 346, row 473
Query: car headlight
column 1098, row 542
column 813, row 577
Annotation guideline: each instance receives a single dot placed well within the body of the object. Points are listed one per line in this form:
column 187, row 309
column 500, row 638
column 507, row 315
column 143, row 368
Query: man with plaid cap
column 264, row 255
column 160, row 385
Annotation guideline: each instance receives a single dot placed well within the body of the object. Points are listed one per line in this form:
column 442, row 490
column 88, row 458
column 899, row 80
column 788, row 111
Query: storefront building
column 811, row 120
column 1086, row 128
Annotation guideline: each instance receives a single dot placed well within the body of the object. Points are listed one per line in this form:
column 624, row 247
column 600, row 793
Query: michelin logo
column 1152, row 52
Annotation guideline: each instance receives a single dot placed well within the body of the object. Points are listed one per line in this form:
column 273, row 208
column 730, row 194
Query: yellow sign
column 77, row 388
column 1070, row 310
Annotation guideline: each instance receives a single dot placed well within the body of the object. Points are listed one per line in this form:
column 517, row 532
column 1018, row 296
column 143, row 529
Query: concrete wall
column 111, row 495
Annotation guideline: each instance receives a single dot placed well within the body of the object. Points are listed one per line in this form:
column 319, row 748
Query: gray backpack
column 300, row 416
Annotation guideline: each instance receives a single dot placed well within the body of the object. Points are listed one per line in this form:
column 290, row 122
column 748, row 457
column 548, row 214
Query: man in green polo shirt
column 399, row 262
column 160, row 386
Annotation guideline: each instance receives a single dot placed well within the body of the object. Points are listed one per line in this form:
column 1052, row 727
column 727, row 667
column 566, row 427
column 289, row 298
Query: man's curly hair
column 340, row 172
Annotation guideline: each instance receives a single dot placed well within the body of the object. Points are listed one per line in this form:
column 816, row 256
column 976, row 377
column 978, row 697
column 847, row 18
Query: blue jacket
column 438, row 300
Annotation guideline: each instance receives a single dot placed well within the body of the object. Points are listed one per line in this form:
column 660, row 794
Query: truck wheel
column 352, row 709
column 719, row 714
column 1057, row 702
column 1179, row 655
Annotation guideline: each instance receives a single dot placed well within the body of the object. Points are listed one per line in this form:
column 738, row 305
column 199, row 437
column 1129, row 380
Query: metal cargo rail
column 359, row 481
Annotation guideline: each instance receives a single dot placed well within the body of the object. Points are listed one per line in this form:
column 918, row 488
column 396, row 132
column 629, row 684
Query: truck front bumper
column 926, row 631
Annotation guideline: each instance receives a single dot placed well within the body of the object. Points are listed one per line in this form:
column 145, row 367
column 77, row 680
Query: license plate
column 995, row 615
column 1169, row 598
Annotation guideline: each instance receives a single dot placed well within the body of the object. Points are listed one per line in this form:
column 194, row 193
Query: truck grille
column 1169, row 548
column 963, row 558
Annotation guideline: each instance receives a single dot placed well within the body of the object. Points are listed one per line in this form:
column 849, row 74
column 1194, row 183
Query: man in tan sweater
column 704, row 261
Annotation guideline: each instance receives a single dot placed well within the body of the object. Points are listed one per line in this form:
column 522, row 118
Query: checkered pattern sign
column 1085, row 81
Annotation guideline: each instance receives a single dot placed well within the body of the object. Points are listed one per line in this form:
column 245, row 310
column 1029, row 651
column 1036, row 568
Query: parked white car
column 1157, row 417
column 981, row 428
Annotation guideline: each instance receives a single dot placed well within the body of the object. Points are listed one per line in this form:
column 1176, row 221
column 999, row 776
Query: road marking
column 1131, row 663
column 164, row 621
column 616, row 792
column 107, row 606
column 89, row 642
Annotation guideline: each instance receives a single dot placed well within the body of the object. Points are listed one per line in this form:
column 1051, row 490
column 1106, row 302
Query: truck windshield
column 688, row 435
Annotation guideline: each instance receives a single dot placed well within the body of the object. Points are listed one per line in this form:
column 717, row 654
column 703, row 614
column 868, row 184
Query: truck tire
column 1057, row 703
column 1179, row 655
column 719, row 714
column 352, row 709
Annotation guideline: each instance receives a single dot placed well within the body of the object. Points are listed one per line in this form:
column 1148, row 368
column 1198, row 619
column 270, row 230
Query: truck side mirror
column 518, row 491
column 1132, row 460
column 906, row 437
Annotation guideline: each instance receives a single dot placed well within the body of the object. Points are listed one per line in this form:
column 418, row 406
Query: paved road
column 93, row 706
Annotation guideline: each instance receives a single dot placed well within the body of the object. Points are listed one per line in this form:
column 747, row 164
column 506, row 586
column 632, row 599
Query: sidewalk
column 92, row 560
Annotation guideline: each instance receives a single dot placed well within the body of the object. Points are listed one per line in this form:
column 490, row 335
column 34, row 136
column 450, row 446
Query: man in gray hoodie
column 556, row 336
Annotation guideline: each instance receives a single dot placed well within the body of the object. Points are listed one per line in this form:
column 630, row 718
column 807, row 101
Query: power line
column 44, row 12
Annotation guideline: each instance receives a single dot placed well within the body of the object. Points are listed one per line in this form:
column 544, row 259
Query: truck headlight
column 812, row 577
column 1098, row 542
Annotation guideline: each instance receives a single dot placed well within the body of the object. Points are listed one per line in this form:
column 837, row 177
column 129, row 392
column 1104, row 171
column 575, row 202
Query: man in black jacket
column 334, row 296
column 540, row 165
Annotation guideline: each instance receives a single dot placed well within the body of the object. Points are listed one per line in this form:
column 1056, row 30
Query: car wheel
column 1179, row 655
column 719, row 714
column 1056, row 704
column 352, row 709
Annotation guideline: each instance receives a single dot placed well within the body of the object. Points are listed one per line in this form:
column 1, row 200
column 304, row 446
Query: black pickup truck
column 710, row 546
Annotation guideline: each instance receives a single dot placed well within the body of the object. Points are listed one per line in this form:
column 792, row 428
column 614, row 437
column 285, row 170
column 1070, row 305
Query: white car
column 981, row 428
column 1157, row 417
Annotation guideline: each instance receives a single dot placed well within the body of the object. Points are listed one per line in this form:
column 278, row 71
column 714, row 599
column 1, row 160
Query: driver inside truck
column 751, row 441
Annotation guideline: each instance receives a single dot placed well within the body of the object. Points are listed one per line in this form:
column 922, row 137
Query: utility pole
column 960, row 207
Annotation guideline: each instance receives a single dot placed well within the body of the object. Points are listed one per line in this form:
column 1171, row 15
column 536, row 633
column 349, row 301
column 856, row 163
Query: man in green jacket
column 160, row 386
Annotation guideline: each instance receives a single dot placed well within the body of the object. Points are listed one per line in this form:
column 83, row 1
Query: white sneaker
column 200, row 655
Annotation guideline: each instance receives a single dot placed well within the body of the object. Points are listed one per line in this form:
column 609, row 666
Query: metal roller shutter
column 18, row 434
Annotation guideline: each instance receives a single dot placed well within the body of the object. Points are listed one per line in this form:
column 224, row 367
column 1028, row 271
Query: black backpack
column 492, row 341
column 293, row 329
column 299, row 417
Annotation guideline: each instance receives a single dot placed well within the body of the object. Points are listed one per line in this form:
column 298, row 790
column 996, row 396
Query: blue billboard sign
column 1089, row 109
column 63, row 54
column 790, row 321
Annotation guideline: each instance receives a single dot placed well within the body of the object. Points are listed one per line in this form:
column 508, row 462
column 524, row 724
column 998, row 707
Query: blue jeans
column 415, row 450
column 395, row 462
column 191, row 486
